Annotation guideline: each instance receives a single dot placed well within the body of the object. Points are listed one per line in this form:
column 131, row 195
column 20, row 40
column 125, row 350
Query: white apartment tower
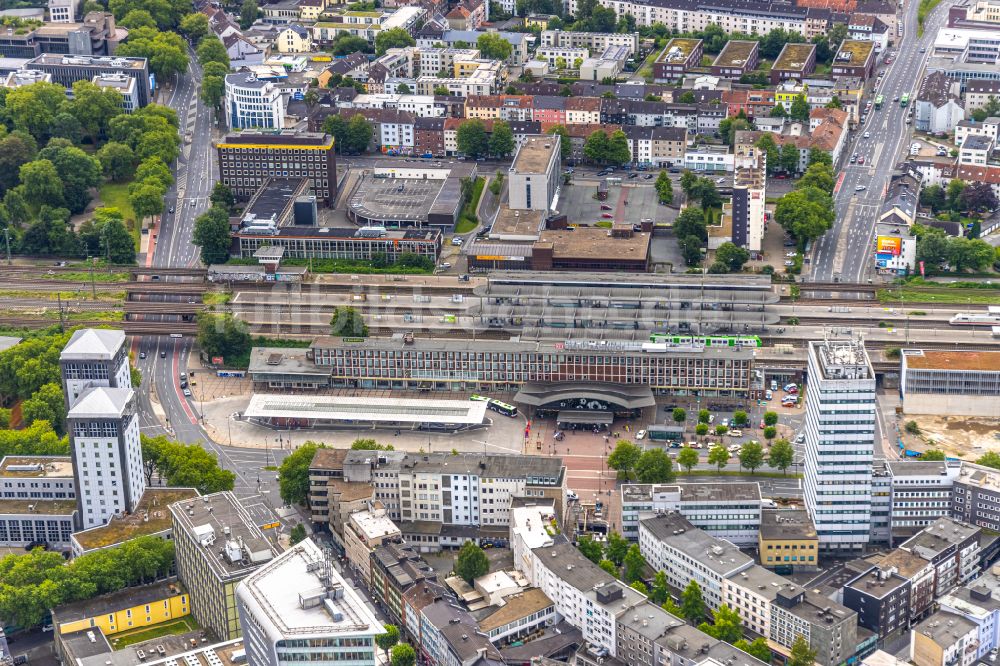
column 297, row 609
column 840, row 437
column 94, row 357
column 749, row 196
column 103, row 425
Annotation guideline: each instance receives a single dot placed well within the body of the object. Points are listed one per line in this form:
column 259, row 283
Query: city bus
column 878, row 102
column 905, row 99
column 495, row 405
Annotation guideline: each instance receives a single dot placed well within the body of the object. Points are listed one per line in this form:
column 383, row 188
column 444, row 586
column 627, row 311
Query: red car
column 607, row 216
column 605, row 207
column 861, row 160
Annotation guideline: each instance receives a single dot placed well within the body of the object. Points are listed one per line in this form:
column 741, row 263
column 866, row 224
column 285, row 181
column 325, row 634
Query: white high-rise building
column 297, row 609
column 107, row 455
column 253, row 102
column 94, row 357
column 840, row 439
column 103, row 425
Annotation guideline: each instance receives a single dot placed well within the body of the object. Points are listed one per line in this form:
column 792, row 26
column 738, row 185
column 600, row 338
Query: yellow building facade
column 126, row 610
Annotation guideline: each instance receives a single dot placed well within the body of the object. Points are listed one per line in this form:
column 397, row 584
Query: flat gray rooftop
column 382, row 199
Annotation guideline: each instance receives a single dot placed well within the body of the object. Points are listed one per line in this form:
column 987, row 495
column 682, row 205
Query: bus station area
column 289, row 412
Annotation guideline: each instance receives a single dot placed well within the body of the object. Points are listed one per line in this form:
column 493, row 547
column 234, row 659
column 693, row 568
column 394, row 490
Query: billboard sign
column 889, row 245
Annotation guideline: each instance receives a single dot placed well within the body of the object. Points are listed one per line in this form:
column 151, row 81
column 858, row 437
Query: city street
column 845, row 251
column 174, row 414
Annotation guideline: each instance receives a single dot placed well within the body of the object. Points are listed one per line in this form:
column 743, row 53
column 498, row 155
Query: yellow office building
column 124, row 610
column 788, row 541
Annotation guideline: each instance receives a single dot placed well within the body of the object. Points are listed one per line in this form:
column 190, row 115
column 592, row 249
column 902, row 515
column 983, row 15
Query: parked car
column 641, row 434
column 860, row 188
column 735, row 432
column 800, row 438
column 187, row 393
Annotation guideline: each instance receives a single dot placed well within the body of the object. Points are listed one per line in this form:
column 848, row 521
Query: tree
column 654, row 466
column 624, row 457
column 387, row 640
column 835, row 103
column 211, row 49
column 692, row 603
column 687, row 458
column 770, row 418
column 966, row 253
column 726, row 624
column 688, row 182
column 41, row 183
column 704, row 416
column 441, row 90
column 293, row 474
column 403, row 89
column 248, row 14
column 789, row 158
column 701, row 429
column 659, row 592
column 15, row 149
column 691, row 222
column 393, row 38
column 634, row 563
column 46, row 404
column 751, row 455
column 757, row 649
column 590, row 549
column 194, row 26
column 932, row 454
column 679, row 415
column 346, row 43
column 138, row 18
column 32, row 108
column 213, row 88
column 990, row 459
column 117, row 161
column 609, row 567
column 222, row 335
column 691, row 250
column 184, row 465
column 778, row 111
column 297, row 534
column 707, row 193
column 146, row 198
column 806, row 214
column 78, row 171
column 819, row 176
column 802, row 654
column 367, row 444
column 403, row 654
column 740, row 418
column 770, row 432
column 781, row 455
column 493, row 46
column 501, row 143
column 733, row 256
column 66, row 126
column 954, row 193
column 212, row 234
column 616, row 548
column 119, row 248
column 222, row 196
column 664, row 188
column 348, row 322
column 166, row 51
column 565, row 144
column 819, row 156
column 471, row 562
column 978, row 197
column 471, row 138
column 718, row 456
column 799, row 109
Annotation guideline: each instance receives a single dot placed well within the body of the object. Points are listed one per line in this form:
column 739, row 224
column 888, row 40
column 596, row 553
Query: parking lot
column 629, row 202
column 394, row 199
